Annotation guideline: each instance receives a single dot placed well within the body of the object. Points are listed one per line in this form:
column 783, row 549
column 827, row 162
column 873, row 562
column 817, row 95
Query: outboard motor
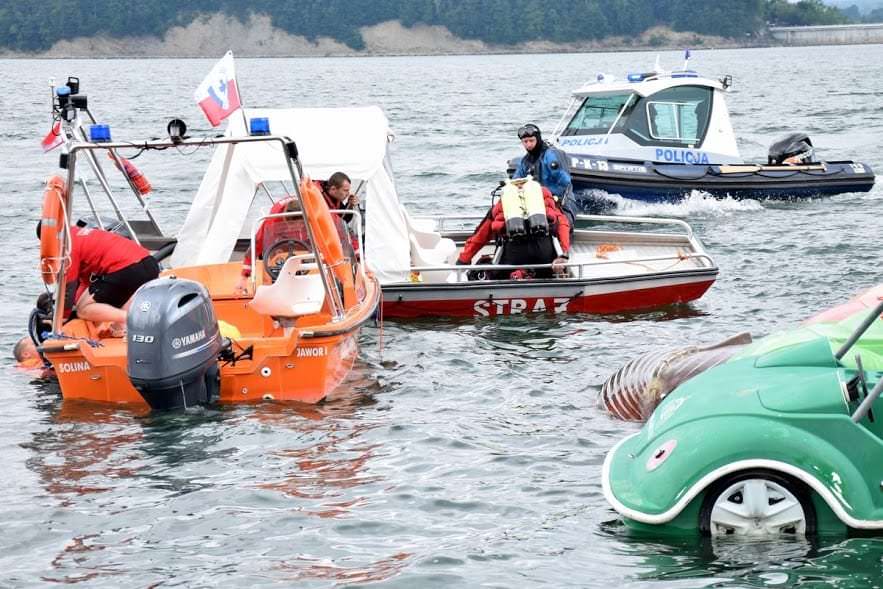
column 796, row 147
column 173, row 344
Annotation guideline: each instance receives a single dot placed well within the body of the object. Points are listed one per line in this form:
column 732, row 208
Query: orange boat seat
column 293, row 294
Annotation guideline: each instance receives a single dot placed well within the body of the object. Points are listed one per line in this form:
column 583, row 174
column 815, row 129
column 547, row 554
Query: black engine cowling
column 797, row 147
column 173, row 344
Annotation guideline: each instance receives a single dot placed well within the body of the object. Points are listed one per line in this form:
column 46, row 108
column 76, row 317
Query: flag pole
column 241, row 101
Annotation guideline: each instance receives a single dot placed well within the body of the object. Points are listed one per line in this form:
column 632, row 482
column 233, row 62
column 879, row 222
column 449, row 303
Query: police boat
column 658, row 136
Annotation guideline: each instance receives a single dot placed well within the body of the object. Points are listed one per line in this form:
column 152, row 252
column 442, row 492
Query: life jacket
column 524, row 209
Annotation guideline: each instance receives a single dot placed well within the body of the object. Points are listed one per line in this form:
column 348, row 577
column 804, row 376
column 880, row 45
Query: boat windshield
column 678, row 115
column 598, row 113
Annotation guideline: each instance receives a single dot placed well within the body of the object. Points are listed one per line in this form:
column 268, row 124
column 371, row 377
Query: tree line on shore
column 496, row 22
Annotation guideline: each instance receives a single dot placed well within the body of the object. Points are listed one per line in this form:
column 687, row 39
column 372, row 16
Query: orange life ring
column 322, row 224
column 51, row 229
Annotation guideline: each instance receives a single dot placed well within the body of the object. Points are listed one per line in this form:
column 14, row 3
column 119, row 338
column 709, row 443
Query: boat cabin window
column 597, row 113
column 678, row 115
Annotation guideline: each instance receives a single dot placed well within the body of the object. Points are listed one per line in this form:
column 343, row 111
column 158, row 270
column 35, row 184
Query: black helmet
column 529, row 130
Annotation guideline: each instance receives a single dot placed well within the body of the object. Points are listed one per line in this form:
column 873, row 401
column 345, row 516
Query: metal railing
column 579, row 266
column 441, row 222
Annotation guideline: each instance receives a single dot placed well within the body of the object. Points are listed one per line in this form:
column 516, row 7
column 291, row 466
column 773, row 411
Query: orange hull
column 303, row 362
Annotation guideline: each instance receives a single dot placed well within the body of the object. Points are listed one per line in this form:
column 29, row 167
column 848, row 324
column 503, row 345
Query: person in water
column 26, row 355
column 530, row 248
column 113, row 267
column 548, row 166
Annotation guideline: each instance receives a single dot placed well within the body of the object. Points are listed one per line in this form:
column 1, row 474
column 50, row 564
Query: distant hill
column 864, row 6
column 48, row 23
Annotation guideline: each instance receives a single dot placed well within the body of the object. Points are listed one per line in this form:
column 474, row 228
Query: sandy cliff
column 214, row 35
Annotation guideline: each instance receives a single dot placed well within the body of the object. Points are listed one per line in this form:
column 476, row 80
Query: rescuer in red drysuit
column 530, row 249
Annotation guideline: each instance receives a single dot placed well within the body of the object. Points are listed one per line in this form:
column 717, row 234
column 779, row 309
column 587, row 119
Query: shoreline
column 259, row 39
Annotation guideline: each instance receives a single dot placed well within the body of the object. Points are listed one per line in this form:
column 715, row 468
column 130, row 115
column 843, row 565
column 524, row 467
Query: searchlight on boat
column 177, row 130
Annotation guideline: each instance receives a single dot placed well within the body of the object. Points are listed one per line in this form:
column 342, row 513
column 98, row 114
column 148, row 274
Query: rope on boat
column 92, row 342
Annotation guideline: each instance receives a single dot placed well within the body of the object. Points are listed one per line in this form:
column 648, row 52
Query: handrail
column 326, row 283
column 868, row 401
column 565, row 118
column 860, row 331
column 357, row 217
column 461, row 268
column 688, row 231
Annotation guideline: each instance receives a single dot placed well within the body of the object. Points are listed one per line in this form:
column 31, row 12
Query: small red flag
column 54, row 138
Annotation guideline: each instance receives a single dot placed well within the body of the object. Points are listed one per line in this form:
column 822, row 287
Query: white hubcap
column 757, row 507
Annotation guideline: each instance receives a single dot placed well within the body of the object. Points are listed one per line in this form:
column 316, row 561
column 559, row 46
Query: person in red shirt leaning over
column 113, row 267
column 532, row 248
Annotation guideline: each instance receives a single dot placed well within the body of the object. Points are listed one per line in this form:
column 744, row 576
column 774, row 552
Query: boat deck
column 598, row 254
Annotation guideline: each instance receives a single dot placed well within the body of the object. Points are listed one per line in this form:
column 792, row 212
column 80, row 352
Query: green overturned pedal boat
column 785, row 437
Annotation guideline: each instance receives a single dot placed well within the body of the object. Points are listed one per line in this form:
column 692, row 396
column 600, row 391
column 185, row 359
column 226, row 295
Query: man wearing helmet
column 548, row 166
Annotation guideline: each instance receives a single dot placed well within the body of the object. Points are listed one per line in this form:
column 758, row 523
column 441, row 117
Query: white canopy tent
column 351, row 140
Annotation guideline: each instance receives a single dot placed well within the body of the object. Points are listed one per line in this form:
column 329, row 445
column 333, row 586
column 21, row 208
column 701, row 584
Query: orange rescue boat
column 191, row 338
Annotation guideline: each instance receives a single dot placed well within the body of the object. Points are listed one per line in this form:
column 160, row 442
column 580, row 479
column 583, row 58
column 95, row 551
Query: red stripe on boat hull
column 608, row 302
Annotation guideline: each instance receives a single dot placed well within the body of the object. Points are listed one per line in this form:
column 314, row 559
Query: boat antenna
column 686, row 58
column 657, row 69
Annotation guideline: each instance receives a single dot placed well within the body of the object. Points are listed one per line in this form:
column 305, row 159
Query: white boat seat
column 432, row 257
column 293, row 294
column 430, row 245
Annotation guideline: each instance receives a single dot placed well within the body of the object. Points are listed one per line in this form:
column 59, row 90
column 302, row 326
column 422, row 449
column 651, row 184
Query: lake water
column 460, row 453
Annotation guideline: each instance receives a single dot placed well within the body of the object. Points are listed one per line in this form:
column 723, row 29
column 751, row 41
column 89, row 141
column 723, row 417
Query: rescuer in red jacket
column 532, row 248
column 113, row 267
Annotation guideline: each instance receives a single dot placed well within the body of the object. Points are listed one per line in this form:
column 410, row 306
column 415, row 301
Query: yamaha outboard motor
column 797, row 146
column 173, row 344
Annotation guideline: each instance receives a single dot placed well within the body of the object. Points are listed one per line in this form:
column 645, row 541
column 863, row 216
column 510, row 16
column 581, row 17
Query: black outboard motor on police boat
column 796, row 147
column 173, row 344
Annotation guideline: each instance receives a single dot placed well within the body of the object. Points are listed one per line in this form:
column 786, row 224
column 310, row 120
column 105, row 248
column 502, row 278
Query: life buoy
column 326, row 234
column 52, row 229
column 322, row 223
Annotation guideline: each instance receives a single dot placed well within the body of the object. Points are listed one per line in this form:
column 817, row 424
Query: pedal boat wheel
column 757, row 503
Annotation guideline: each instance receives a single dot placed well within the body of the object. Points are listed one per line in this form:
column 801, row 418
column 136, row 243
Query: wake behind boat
column 658, row 136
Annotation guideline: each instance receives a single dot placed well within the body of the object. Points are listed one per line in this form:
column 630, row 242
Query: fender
column 52, row 222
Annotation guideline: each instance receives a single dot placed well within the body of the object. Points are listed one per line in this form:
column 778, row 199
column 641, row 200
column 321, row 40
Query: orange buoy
column 139, row 180
column 322, row 223
column 51, row 229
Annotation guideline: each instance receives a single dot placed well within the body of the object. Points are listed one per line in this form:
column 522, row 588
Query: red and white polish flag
column 53, row 138
column 218, row 96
